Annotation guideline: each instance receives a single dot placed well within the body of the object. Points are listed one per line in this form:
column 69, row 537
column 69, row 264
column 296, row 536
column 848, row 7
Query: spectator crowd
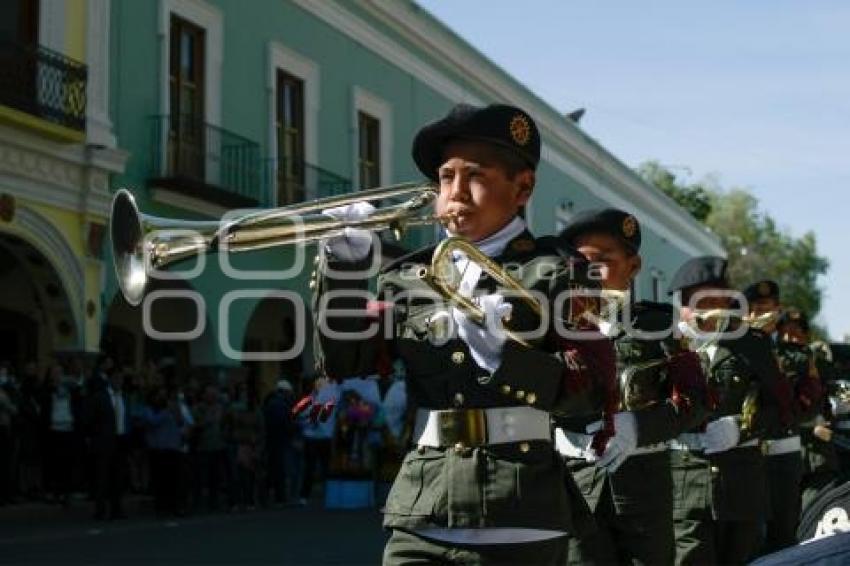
column 69, row 435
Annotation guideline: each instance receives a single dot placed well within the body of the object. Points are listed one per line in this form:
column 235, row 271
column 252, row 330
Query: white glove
column 721, row 434
column 355, row 243
column 622, row 444
column 485, row 342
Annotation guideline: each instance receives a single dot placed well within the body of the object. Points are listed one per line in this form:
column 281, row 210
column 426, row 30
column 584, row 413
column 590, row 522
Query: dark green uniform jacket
column 520, row 485
column 665, row 404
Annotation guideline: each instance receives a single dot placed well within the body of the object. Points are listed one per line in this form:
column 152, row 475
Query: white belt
column 776, row 447
column 695, row 442
column 481, row 427
column 577, row 445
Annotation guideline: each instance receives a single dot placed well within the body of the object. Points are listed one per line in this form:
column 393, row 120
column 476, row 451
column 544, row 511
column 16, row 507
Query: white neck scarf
column 491, row 246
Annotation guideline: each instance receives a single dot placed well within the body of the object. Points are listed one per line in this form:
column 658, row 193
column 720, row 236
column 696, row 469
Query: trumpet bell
column 125, row 229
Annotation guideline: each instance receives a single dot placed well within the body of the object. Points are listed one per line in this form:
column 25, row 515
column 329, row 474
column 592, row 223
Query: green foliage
column 757, row 247
column 695, row 198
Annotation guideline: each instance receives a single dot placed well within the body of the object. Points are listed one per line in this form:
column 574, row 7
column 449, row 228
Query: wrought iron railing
column 197, row 154
column 43, row 83
column 298, row 181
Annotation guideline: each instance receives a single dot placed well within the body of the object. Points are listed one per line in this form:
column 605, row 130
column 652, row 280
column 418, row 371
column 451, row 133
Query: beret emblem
column 764, row 289
column 520, row 130
column 629, row 226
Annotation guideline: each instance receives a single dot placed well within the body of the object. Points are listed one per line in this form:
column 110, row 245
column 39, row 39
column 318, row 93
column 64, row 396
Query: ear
column 525, row 181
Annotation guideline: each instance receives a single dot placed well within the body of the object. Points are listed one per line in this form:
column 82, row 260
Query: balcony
column 35, row 81
column 298, row 181
column 205, row 162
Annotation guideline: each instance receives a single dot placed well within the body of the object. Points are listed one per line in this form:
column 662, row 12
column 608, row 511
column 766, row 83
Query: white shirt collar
column 494, row 244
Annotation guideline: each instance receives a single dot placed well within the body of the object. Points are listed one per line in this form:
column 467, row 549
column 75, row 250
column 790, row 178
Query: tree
column 757, row 248
column 695, row 198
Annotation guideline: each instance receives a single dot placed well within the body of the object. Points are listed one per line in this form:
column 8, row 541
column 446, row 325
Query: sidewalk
column 39, row 532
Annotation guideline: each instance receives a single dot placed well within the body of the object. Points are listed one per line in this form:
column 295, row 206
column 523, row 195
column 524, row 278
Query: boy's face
column 477, row 191
column 616, row 266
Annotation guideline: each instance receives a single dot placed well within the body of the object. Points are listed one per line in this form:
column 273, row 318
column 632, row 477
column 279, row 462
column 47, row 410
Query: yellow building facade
column 57, row 155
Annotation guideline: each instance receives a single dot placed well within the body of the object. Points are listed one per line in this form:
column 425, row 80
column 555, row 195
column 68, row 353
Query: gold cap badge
column 520, row 129
column 764, row 289
column 629, row 226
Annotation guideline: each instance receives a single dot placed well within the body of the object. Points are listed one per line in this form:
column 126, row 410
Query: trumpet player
column 483, row 483
column 662, row 393
column 781, row 444
column 720, row 498
column 799, row 362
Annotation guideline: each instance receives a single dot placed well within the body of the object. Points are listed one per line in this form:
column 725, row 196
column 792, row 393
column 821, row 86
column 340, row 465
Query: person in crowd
column 245, row 425
column 318, row 437
column 164, row 425
column 30, row 433
column 108, row 426
column 8, row 411
column 61, row 404
column 209, row 416
column 280, row 436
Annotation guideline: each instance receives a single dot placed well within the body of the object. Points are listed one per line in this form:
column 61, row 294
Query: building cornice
column 564, row 143
column 73, row 177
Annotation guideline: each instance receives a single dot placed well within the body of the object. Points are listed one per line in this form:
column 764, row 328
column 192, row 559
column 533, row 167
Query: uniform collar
column 494, row 244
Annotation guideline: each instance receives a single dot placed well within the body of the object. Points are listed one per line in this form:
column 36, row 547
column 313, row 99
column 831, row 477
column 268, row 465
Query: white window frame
column 381, row 110
column 656, row 279
column 210, row 19
column 563, row 214
column 285, row 59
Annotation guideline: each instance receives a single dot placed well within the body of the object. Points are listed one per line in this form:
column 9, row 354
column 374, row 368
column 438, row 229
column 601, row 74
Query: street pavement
column 38, row 533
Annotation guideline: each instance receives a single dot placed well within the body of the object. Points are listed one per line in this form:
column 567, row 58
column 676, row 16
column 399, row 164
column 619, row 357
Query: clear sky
column 756, row 92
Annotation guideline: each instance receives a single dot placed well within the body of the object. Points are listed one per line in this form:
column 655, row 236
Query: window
column 657, row 288
column 289, row 131
column 20, row 22
column 369, row 150
column 186, row 132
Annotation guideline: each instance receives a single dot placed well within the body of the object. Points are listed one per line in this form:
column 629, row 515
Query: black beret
column 794, row 316
column 706, row 270
column 499, row 124
column 765, row 289
column 613, row 221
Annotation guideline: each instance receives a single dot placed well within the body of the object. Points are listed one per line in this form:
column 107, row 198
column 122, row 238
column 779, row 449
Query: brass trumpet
column 142, row 244
column 444, row 278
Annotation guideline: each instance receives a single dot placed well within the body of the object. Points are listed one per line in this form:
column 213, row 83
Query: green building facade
column 228, row 104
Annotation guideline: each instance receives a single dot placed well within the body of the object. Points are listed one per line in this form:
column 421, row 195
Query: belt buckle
column 463, row 428
column 765, row 447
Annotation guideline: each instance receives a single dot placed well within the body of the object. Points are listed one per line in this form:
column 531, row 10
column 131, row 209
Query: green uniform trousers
column 784, row 474
column 701, row 494
column 625, row 539
column 408, row 548
column 632, row 513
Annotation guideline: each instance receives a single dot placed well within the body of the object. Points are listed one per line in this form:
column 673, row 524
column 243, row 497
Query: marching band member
column 720, row 496
column 662, row 393
column 483, row 483
column 781, row 439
